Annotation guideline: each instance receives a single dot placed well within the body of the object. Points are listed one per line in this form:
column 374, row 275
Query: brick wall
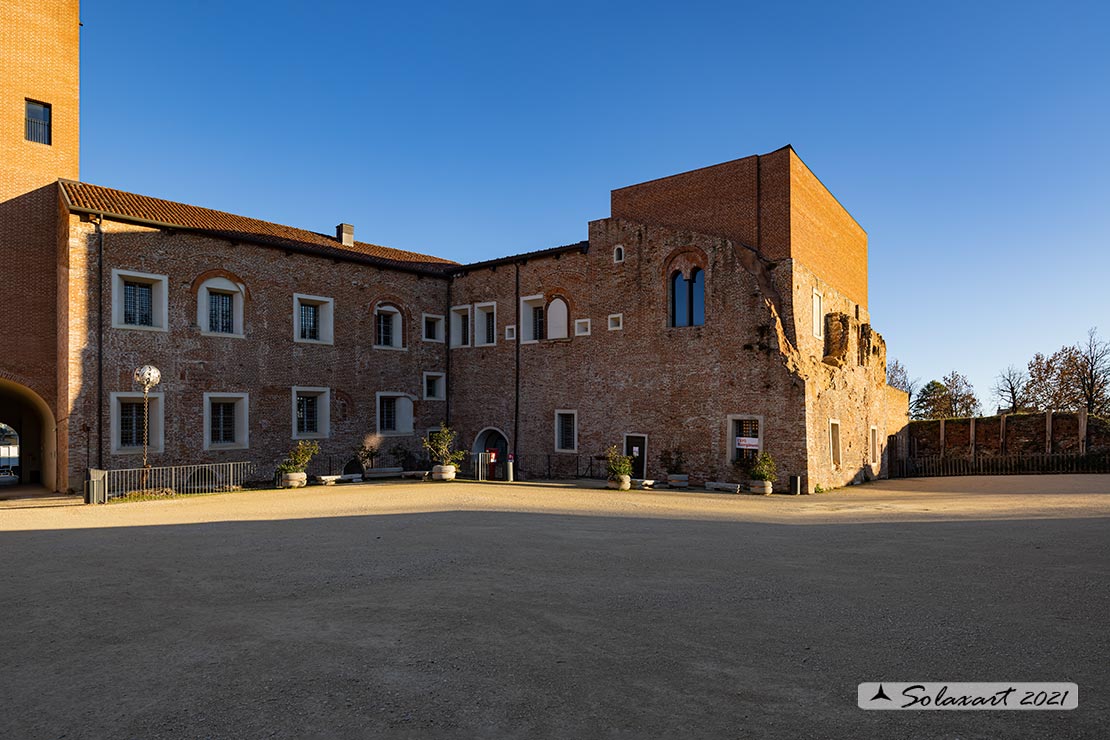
column 1012, row 434
column 266, row 363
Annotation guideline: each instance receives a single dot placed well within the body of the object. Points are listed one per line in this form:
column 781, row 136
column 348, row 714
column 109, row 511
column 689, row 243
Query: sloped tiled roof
column 86, row 198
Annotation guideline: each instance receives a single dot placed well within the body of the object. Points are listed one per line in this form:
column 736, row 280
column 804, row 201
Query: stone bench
column 327, row 480
column 725, row 487
column 383, row 473
column 646, row 483
column 422, row 474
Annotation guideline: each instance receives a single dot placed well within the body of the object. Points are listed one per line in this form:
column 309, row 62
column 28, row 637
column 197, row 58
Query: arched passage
column 25, row 412
column 492, row 438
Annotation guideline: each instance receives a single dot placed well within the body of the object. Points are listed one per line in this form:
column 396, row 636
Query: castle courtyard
column 479, row 610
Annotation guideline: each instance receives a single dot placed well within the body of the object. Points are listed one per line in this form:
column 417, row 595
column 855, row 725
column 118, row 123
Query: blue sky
column 969, row 139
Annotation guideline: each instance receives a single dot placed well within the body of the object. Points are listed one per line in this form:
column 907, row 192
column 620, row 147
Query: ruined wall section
column 266, row 362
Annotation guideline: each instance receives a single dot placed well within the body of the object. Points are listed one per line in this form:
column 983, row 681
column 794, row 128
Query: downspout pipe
column 97, row 222
column 516, row 365
column 447, row 350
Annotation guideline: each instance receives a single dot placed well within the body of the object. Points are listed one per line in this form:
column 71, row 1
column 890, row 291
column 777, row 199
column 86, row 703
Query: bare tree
column 952, row 397
column 962, row 395
column 1090, row 375
column 1010, row 388
column 897, row 377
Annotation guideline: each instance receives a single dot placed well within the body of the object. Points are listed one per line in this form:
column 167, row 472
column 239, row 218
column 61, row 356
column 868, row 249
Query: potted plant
column 367, row 455
column 293, row 466
column 674, row 463
column 440, row 445
column 619, row 469
column 762, row 474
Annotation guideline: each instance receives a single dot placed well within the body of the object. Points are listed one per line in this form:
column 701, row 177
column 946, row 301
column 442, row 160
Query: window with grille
column 566, row 432
column 222, row 422
column 221, row 313
column 384, row 322
column 491, row 327
column 310, row 321
column 38, row 122
column 138, row 303
column 387, row 414
column 688, row 299
column 538, row 330
column 307, row 417
column 131, row 424
column 745, row 433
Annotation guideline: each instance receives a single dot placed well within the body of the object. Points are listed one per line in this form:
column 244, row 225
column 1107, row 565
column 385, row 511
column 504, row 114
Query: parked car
column 7, row 477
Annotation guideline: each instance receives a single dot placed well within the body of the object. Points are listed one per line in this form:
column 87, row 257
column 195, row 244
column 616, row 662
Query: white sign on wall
column 747, row 443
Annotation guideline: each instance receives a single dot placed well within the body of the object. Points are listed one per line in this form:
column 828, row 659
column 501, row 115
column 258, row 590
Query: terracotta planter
column 760, row 487
column 443, row 472
column 294, row 480
column 620, row 483
column 678, row 480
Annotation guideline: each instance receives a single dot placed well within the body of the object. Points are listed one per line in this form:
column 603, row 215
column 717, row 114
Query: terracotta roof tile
column 84, row 197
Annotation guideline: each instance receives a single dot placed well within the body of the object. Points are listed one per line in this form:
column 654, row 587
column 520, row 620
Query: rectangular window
column 746, row 441
column 310, row 321
column 221, row 424
column 566, row 431
column 874, row 445
column 308, row 421
column 131, row 424
column 138, row 303
column 616, row 321
column 434, row 387
column 834, row 442
column 460, row 326
column 221, row 313
column 818, row 315
column 537, row 323
column 433, row 328
column 387, row 414
column 38, row 122
column 384, row 323
column 581, row 327
column 510, row 333
column 485, row 324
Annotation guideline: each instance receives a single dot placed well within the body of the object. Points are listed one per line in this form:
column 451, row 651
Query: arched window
column 618, row 253
column 557, row 319
column 388, row 327
column 220, row 307
column 687, row 298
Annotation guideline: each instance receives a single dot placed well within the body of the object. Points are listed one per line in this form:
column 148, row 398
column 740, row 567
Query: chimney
column 345, row 233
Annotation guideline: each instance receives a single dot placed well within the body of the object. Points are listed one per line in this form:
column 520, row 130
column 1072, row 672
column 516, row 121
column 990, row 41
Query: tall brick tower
column 39, row 143
column 39, row 93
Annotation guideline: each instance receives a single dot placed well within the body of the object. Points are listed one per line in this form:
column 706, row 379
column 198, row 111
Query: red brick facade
column 762, row 234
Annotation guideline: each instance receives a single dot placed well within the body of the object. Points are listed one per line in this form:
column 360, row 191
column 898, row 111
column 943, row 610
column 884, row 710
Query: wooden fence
column 942, row 465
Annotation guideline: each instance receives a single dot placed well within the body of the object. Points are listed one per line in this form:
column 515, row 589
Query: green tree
column 952, row 397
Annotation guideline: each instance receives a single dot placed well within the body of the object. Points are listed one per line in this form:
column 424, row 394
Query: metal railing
column 38, row 131
column 927, row 466
column 103, row 485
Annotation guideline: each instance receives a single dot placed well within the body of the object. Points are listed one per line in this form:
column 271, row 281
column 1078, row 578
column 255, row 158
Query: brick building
column 718, row 307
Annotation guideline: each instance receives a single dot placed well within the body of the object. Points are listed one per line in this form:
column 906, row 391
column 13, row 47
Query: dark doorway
column 635, row 446
column 491, row 440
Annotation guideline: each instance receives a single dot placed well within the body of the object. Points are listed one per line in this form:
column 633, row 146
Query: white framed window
column 313, row 319
column 834, row 442
column 311, row 412
column 510, row 333
column 460, row 326
column 745, row 437
column 874, row 446
column 485, row 324
column 394, row 413
column 435, row 386
column 388, row 328
column 126, row 423
column 433, row 327
column 226, row 424
column 140, row 300
column 581, row 327
column 220, row 307
column 566, row 430
column 616, row 321
column 557, row 319
column 533, row 325
column 818, row 315
column 618, row 253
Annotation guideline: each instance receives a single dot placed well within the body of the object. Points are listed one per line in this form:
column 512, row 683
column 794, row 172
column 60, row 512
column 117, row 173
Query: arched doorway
column 9, row 455
column 24, row 411
column 492, row 438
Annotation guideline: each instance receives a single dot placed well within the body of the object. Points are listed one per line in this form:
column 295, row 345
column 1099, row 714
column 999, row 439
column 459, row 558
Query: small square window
column 38, row 123
column 581, row 327
column 433, row 327
column 616, row 321
column 434, row 386
column 510, row 333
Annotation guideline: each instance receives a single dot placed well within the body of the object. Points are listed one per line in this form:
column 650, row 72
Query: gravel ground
column 470, row 610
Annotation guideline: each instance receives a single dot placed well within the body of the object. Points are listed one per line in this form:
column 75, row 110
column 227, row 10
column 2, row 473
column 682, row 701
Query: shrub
column 673, row 461
column 299, row 456
column 440, row 445
column 617, row 464
column 763, row 468
column 367, row 455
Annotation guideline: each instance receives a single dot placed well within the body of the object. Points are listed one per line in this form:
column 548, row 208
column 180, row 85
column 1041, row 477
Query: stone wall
column 1010, row 434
